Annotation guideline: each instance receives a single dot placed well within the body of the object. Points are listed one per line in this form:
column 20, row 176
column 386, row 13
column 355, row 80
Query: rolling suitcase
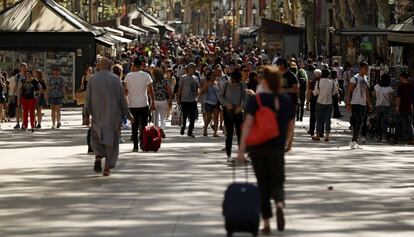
column 151, row 139
column 241, row 207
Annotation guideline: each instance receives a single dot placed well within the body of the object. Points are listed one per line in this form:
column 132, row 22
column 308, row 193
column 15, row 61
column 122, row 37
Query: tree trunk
column 383, row 6
column 343, row 14
column 288, row 11
column 357, row 12
column 336, row 14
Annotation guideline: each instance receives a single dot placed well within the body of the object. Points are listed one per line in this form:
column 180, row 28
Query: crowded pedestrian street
column 206, row 118
column 48, row 189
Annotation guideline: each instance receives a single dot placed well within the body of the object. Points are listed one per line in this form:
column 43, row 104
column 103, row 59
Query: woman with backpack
column 267, row 155
column 232, row 96
column 383, row 94
column 163, row 99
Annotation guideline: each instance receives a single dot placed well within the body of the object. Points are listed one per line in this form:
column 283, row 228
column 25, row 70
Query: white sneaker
column 230, row 159
column 354, row 145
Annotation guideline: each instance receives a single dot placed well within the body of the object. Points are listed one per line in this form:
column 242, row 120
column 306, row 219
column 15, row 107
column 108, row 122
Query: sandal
column 106, row 172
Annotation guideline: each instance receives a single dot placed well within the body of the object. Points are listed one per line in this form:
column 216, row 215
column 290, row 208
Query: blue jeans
column 323, row 115
column 382, row 115
column 404, row 130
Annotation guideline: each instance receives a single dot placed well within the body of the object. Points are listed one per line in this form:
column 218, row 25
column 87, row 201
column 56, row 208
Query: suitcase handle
column 246, row 172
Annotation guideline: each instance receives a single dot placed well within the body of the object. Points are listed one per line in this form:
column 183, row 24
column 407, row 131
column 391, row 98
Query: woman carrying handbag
column 268, row 123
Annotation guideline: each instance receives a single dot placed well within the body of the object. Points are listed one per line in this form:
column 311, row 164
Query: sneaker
column 191, row 135
column 135, row 150
column 17, row 126
column 59, row 125
column 182, row 132
column 230, row 159
column 53, row 127
column 39, row 126
column 354, row 145
column 280, row 219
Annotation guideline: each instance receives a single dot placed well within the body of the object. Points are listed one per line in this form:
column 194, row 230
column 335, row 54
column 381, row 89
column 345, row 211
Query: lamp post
column 199, row 19
column 254, row 12
column 182, row 19
column 100, row 10
column 265, row 10
column 241, row 15
column 86, row 10
column 281, row 11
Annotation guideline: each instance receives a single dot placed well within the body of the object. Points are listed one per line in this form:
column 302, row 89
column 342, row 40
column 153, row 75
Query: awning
column 402, row 33
column 121, row 39
column 149, row 20
column 129, row 30
column 248, row 31
column 363, row 30
column 106, row 40
column 137, row 28
column 114, row 31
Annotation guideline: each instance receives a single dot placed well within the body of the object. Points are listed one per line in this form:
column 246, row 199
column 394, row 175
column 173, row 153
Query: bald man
column 106, row 104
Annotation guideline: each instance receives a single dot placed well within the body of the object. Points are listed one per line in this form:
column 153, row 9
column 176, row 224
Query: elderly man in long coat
column 106, row 104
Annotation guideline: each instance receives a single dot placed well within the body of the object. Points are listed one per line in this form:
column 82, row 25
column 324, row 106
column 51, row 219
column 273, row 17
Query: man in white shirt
column 358, row 100
column 138, row 87
column 325, row 89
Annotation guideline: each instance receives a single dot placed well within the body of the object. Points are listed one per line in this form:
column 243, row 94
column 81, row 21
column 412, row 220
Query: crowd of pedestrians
column 26, row 92
column 227, row 89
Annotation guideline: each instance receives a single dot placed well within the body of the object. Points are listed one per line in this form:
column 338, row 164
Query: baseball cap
column 191, row 65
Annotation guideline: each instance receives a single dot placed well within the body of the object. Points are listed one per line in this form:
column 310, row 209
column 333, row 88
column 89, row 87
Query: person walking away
column 163, row 99
column 340, row 71
column 325, row 89
column 358, row 101
column 383, row 94
column 29, row 89
column 6, row 91
column 291, row 86
column 56, row 94
column 335, row 100
column 138, row 87
column 106, row 104
column 303, row 87
column 3, row 88
column 346, row 77
column 212, row 105
column 188, row 90
column 317, row 74
column 404, row 109
column 268, row 158
column 19, row 78
column 232, row 96
column 84, row 85
column 41, row 100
